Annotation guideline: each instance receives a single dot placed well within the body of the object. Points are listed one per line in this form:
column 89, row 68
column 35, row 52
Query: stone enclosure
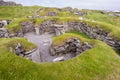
column 57, row 29
column 73, row 46
column 52, row 27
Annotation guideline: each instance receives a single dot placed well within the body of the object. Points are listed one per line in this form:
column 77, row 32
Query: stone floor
column 43, row 43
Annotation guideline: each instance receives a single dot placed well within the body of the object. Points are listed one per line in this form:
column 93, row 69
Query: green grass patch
column 105, row 18
column 11, row 12
column 15, row 26
column 12, row 42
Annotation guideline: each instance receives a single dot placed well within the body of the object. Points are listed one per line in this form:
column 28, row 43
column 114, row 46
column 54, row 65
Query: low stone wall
column 18, row 50
column 58, row 29
column 71, row 46
column 92, row 32
column 4, row 33
column 27, row 26
column 95, row 33
column 4, row 23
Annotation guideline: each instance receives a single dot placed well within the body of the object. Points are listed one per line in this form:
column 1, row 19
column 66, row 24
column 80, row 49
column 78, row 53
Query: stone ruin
column 4, row 33
column 27, row 26
column 92, row 32
column 51, row 13
column 4, row 23
column 20, row 51
column 72, row 47
column 52, row 27
column 48, row 13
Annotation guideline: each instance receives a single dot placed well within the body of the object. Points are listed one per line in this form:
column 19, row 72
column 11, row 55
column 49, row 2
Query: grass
column 105, row 18
column 15, row 26
column 93, row 64
column 12, row 42
column 61, row 39
column 11, row 12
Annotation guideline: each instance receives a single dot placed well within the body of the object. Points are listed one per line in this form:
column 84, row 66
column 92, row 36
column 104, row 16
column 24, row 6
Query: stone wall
column 4, row 23
column 72, row 46
column 27, row 26
column 57, row 29
column 95, row 33
column 4, row 33
column 92, row 32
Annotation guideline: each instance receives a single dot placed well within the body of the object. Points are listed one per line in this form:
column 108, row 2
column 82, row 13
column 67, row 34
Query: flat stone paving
column 43, row 43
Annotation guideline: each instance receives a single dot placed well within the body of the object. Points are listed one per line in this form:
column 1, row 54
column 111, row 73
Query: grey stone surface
column 4, row 33
column 71, row 46
column 59, row 59
column 27, row 26
column 8, row 3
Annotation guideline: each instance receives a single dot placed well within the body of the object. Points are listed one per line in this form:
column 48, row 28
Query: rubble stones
column 51, row 14
column 3, row 33
column 19, row 50
column 4, row 23
column 70, row 46
column 27, row 26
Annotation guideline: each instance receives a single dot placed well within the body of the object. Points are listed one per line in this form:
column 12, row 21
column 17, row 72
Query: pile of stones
column 4, row 33
column 4, row 23
column 72, row 45
column 19, row 50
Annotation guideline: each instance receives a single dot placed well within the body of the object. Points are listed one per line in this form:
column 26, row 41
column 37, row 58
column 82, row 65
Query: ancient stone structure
column 27, row 26
column 37, row 30
column 71, row 46
column 52, row 27
column 92, row 32
column 51, row 13
column 8, row 3
column 1, row 24
column 18, row 50
column 4, row 33
column 4, row 23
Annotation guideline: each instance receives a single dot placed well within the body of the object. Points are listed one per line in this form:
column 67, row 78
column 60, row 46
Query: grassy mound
column 11, row 12
column 93, row 64
column 6, row 43
column 105, row 18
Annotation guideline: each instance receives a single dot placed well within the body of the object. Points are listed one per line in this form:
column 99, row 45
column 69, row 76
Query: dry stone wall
column 92, row 32
column 53, row 28
column 71, row 46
